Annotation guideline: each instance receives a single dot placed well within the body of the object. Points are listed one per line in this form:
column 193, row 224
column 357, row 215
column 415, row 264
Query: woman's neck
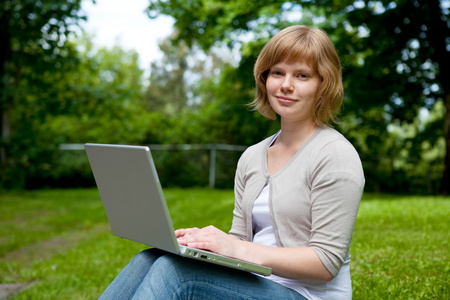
column 287, row 144
column 295, row 134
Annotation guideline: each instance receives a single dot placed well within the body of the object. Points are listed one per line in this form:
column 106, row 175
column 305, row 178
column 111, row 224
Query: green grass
column 60, row 241
column 400, row 248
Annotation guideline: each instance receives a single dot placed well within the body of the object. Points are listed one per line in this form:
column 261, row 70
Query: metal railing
column 213, row 148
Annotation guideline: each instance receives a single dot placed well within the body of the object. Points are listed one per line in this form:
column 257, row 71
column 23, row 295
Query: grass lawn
column 59, row 240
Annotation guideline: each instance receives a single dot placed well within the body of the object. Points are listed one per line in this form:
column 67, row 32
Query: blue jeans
column 155, row 274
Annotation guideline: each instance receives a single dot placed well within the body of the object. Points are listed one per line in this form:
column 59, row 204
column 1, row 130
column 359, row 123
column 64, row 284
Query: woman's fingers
column 184, row 231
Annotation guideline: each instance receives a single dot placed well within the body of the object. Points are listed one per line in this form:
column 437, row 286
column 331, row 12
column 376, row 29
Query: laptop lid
column 135, row 206
column 132, row 195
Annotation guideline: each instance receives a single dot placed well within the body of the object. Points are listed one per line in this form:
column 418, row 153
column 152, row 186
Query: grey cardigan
column 313, row 200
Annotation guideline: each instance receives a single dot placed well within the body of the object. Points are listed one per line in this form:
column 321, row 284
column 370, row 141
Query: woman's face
column 292, row 90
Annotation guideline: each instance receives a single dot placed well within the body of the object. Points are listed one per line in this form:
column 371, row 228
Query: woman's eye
column 303, row 75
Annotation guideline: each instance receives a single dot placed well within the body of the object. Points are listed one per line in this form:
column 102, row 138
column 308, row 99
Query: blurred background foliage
column 57, row 88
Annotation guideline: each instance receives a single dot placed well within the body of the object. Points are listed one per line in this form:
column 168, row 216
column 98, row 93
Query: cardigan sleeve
column 337, row 183
column 238, row 227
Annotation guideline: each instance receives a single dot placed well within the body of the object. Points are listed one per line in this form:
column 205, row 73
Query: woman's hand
column 296, row 263
column 209, row 238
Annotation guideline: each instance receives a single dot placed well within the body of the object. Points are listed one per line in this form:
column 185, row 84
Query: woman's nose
column 286, row 85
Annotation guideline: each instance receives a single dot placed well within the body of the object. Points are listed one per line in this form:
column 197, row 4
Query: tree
column 102, row 103
column 102, row 97
column 166, row 92
column 395, row 54
column 402, row 67
column 33, row 37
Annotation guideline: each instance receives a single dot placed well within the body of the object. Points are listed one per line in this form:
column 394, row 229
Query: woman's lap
column 154, row 274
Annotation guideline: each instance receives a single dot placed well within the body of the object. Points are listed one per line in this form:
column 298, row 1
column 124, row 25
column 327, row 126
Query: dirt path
column 42, row 250
column 10, row 289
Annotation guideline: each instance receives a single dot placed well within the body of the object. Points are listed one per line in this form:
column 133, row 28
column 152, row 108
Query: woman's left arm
column 298, row 263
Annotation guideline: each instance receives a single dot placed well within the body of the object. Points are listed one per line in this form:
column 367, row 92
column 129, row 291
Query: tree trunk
column 6, row 132
column 5, row 109
column 438, row 33
column 445, row 182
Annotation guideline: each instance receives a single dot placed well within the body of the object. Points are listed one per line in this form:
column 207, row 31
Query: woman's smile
column 285, row 100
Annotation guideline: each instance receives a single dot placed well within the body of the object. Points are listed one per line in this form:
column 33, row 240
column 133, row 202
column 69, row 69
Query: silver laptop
column 135, row 205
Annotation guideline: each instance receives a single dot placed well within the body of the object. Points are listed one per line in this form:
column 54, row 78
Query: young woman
column 297, row 194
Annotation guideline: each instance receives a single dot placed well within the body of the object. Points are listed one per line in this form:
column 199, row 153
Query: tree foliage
column 56, row 89
column 167, row 90
column 33, row 37
column 395, row 56
column 400, row 71
column 102, row 95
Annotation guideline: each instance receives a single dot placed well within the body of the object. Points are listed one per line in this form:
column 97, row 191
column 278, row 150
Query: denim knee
column 148, row 256
column 163, row 281
column 168, row 268
column 129, row 279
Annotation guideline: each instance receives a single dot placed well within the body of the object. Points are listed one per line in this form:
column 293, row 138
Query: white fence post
column 212, row 167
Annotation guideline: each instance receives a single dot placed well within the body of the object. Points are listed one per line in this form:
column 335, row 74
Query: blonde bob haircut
column 309, row 45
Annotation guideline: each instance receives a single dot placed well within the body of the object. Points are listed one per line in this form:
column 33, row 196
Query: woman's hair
column 313, row 46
